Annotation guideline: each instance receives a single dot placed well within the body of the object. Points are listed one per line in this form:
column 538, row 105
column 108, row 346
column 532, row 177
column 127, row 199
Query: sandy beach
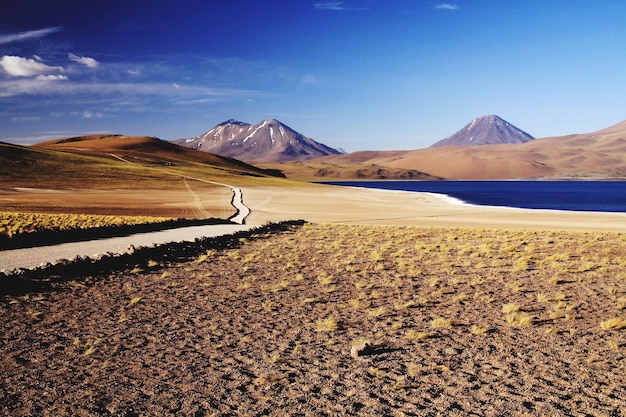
column 334, row 204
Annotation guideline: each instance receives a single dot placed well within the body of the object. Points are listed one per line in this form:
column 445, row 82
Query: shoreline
column 341, row 204
column 456, row 200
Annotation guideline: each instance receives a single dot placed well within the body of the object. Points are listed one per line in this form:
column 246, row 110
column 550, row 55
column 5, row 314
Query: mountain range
column 486, row 130
column 595, row 155
column 268, row 141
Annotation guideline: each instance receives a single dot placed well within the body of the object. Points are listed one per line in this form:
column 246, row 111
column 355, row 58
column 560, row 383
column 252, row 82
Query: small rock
column 361, row 349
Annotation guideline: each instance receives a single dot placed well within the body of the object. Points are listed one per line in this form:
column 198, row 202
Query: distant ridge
column 268, row 141
column 486, row 130
column 149, row 150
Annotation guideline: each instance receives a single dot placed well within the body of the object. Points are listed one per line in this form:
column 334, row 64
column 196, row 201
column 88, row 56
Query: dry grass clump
column 613, row 324
column 519, row 319
column 441, row 323
column 510, row 308
column 479, row 329
column 12, row 224
column 416, row 335
column 327, row 324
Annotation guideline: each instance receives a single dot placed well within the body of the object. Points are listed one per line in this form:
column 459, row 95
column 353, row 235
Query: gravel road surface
column 34, row 257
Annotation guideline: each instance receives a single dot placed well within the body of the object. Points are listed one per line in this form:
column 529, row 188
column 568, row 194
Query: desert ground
column 457, row 321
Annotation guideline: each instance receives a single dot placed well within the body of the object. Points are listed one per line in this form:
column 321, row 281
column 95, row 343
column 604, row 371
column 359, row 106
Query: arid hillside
column 121, row 175
column 595, row 155
column 148, row 150
column 321, row 170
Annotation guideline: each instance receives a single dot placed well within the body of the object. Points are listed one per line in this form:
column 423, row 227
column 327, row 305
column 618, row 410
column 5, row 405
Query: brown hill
column 149, row 150
column 268, row 141
column 318, row 170
column 595, row 155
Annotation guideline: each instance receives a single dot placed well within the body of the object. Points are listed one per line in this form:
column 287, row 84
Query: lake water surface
column 607, row 196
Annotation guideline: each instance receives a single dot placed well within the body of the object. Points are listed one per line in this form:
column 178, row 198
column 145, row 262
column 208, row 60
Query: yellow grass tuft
column 441, row 323
column 328, row 324
column 510, row 308
column 377, row 312
column 415, row 335
column 479, row 329
column 519, row 319
column 613, row 324
column 543, row 298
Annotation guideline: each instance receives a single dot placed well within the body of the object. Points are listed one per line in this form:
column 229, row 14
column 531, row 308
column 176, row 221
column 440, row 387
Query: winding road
column 242, row 211
column 34, row 257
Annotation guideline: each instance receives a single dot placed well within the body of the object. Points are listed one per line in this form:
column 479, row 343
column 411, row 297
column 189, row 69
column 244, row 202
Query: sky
column 353, row 74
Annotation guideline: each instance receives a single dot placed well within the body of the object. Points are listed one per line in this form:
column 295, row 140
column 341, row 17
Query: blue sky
column 355, row 74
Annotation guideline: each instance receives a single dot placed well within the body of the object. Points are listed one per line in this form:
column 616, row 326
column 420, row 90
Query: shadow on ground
column 43, row 279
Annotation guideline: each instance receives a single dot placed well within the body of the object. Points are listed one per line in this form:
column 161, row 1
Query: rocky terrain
column 326, row 320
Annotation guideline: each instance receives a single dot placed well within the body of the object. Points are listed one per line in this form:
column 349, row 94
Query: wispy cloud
column 16, row 66
column 91, row 115
column 447, row 6
column 45, row 87
column 52, row 77
column 19, row 119
column 330, row 5
column 84, row 60
column 31, row 34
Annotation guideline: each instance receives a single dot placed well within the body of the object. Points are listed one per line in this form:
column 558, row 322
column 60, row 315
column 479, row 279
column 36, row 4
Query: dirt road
column 242, row 211
column 34, row 257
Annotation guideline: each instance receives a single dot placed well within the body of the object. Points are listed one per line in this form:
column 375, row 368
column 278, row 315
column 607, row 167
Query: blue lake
column 607, row 196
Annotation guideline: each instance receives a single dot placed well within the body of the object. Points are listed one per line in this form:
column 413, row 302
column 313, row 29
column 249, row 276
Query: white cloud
column 31, row 34
column 330, row 5
column 52, row 77
column 91, row 115
column 446, row 6
column 17, row 66
column 90, row 62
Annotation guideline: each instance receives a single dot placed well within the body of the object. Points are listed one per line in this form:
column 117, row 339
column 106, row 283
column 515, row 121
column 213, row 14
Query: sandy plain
column 335, row 204
column 310, row 202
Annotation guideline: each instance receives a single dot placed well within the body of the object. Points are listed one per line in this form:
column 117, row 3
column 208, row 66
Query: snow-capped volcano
column 268, row 141
column 486, row 130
